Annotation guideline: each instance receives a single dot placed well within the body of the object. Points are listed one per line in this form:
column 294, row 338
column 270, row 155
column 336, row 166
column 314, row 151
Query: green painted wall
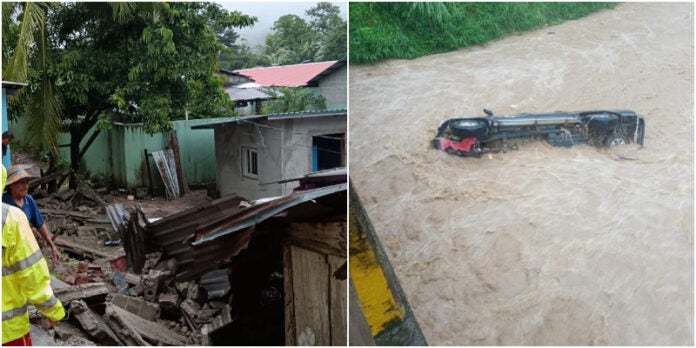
column 119, row 153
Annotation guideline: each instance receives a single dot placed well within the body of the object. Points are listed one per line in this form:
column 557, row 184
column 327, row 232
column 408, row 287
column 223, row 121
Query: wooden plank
column 290, row 327
column 323, row 237
column 311, row 296
column 78, row 248
column 174, row 145
column 338, row 303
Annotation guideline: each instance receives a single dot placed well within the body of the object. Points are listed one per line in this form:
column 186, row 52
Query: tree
column 30, row 61
column 331, row 31
column 334, row 45
column 241, row 57
column 286, row 99
column 137, row 62
column 294, row 36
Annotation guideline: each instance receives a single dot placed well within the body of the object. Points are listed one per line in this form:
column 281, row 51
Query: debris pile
column 210, row 275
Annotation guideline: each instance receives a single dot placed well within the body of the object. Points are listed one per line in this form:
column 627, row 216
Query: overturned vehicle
column 479, row 135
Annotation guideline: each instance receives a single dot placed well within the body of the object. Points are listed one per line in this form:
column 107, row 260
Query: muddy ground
column 544, row 245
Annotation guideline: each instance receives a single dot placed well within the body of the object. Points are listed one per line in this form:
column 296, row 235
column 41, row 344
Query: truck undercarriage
column 479, row 135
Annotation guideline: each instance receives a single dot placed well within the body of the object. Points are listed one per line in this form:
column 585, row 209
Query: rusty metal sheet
column 265, row 211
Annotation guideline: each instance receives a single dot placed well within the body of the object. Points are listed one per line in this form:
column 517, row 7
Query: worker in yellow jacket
column 25, row 278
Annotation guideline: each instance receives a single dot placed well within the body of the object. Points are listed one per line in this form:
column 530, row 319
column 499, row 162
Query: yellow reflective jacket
column 25, row 276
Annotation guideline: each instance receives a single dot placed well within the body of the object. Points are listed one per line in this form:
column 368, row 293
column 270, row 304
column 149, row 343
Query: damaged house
column 229, row 272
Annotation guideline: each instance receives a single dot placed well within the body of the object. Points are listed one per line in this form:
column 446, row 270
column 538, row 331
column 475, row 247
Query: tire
column 469, row 128
column 450, row 151
column 616, row 140
column 603, row 121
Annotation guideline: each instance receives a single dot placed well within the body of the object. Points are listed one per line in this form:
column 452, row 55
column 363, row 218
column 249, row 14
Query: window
column 328, row 151
column 250, row 164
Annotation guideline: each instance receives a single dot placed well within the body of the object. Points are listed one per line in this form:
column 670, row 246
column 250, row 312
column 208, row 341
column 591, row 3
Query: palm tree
column 44, row 109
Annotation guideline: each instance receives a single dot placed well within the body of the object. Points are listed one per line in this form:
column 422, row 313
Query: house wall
column 284, row 151
column 118, row 153
column 334, row 89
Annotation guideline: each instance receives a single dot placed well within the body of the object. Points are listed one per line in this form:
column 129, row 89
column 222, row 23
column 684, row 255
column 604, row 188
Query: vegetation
column 286, row 99
column 383, row 30
column 90, row 63
column 294, row 40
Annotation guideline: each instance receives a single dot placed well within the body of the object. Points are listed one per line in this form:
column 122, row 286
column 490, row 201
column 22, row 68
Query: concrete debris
column 143, row 331
column 94, row 324
column 166, row 290
column 137, row 306
column 93, row 292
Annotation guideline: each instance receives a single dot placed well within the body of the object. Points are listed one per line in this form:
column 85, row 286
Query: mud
column 544, row 245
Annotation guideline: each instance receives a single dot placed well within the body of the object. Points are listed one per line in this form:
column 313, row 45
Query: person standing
column 25, row 278
column 18, row 195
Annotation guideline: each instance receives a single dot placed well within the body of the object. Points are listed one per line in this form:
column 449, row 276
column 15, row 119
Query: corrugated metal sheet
column 170, row 232
column 202, row 238
column 166, row 166
column 119, row 217
column 247, row 94
column 297, row 75
column 275, row 117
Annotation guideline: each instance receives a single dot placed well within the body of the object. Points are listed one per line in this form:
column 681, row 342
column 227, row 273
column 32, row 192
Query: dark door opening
column 327, row 151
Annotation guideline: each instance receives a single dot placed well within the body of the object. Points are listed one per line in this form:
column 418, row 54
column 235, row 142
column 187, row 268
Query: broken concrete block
column 169, row 306
column 65, row 329
column 197, row 293
column 191, row 308
column 132, row 278
column 169, row 265
column 151, row 260
column 91, row 291
column 141, row 330
column 137, row 306
column 93, row 324
column 88, row 231
column 151, row 283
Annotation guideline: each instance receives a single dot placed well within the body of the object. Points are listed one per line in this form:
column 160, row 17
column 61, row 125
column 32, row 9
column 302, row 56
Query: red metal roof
column 296, row 75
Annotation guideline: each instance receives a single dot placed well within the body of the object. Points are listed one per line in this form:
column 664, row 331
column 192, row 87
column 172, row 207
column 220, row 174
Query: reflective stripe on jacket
column 25, row 277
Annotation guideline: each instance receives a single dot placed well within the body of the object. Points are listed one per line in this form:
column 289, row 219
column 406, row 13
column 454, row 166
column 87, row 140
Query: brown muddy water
column 544, row 245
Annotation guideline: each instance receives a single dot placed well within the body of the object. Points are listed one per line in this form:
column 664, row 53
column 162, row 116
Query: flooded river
column 544, row 245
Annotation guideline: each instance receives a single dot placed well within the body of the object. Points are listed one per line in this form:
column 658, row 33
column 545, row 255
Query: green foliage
column 241, row 56
column 295, row 41
column 140, row 62
column 286, row 99
column 409, row 30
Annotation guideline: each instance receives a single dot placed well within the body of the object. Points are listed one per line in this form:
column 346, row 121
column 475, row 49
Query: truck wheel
column 450, row 151
column 469, row 128
column 603, row 121
column 616, row 140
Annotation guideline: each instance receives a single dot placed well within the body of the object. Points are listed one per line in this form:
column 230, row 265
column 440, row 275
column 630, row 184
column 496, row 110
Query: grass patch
column 383, row 30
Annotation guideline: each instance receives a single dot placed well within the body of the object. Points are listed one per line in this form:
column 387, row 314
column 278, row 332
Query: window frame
column 248, row 157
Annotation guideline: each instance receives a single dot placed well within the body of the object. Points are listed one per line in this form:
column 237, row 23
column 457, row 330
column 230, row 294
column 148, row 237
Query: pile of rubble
column 215, row 274
column 106, row 304
column 150, row 309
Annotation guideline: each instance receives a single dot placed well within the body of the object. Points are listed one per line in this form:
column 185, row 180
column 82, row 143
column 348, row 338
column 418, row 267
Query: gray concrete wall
column 284, row 151
column 334, row 89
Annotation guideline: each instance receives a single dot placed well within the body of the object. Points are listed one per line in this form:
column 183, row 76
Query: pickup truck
column 478, row 135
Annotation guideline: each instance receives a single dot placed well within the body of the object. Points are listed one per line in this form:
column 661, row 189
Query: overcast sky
column 269, row 12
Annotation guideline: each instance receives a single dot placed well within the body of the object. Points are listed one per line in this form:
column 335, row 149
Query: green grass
column 383, row 30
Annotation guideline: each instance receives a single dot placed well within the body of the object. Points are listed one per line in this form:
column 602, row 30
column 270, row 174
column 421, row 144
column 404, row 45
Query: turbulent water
column 544, row 245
